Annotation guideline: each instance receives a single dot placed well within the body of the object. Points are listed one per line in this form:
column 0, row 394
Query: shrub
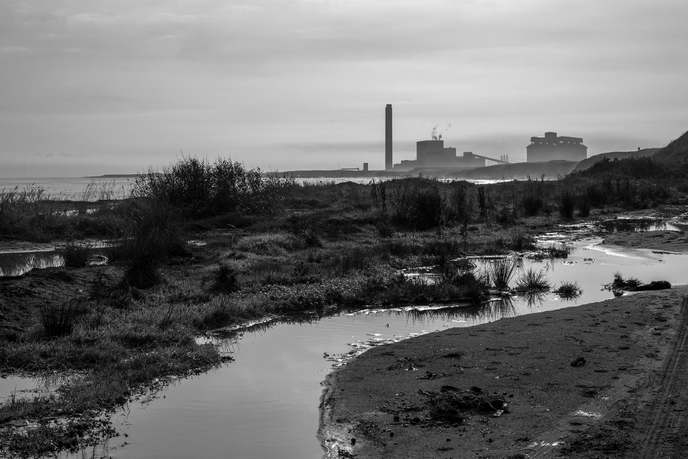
column 620, row 283
column 506, row 216
column 567, row 201
column 520, row 240
column 532, row 205
column 583, row 206
column 202, row 189
column 152, row 237
column 418, row 203
column 460, row 208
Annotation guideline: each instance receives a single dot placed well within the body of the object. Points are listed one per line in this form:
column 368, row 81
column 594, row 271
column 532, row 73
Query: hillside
column 676, row 151
column 587, row 163
column 550, row 169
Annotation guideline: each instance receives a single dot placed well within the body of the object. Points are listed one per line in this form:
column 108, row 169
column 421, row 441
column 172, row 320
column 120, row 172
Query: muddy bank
column 670, row 241
column 572, row 380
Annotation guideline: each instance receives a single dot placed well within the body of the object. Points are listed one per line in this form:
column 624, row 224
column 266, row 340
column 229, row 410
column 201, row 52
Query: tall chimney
column 388, row 138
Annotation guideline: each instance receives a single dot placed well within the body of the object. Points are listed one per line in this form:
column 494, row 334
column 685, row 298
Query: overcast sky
column 91, row 87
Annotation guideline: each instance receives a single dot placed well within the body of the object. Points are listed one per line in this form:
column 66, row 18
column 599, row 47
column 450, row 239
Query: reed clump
column 501, row 271
column 532, row 281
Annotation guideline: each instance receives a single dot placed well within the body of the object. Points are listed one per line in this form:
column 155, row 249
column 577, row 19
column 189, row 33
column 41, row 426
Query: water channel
column 264, row 404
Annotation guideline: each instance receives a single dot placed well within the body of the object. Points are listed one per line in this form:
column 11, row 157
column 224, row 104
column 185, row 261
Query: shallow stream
column 264, row 404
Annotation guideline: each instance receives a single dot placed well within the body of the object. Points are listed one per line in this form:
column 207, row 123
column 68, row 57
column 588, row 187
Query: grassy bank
column 261, row 246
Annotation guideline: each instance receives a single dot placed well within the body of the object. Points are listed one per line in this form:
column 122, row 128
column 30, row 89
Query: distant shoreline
column 110, row 176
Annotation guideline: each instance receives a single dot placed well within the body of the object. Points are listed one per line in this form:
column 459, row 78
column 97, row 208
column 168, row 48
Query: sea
column 119, row 187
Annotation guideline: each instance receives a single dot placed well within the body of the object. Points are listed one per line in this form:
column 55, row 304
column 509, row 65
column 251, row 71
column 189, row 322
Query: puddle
column 15, row 387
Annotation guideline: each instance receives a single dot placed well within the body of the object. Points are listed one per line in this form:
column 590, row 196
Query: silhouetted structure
column 388, row 138
column 433, row 154
column 551, row 147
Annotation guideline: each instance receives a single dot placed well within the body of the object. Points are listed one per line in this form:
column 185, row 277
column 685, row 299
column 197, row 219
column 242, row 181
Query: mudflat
column 607, row 379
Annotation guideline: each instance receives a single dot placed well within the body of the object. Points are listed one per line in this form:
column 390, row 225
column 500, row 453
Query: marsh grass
column 621, row 283
column 59, row 319
column 532, row 281
column 345, row 251
column 568, row 290
column 225, row 279
column 520, row 240
column 76, row 255
column 273, row 244
column 561, row 251
column 501, row 271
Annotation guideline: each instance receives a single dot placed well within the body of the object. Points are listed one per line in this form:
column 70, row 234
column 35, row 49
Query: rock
column 578, row 362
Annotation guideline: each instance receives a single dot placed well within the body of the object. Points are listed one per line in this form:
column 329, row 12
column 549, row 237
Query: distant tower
column 388, row 138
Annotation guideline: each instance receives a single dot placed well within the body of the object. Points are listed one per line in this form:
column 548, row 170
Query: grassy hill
column 587, row 163
column 676, row 151
column 550, row 169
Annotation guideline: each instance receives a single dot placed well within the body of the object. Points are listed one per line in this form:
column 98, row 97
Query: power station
column 434, row 159
column 430, row 154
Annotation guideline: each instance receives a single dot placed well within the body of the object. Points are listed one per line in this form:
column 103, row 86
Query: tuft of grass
column 532, row 281
column 76, row 255
column 225, row 279
column 568, row 290
column 59, row 319
column 501, row 271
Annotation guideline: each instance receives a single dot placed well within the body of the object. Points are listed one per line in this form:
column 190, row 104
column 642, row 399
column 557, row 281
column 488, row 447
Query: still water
column 265, row 403
column 77, row 188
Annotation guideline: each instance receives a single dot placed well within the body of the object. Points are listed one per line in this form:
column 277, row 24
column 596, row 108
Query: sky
column 90, row 87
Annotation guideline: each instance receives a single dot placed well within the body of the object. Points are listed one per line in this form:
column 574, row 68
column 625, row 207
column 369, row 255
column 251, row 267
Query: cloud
column 258, row 78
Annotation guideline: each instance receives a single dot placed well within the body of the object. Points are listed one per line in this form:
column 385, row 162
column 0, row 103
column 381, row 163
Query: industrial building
column 430, row 154
column 552, row 147
column 433, row 154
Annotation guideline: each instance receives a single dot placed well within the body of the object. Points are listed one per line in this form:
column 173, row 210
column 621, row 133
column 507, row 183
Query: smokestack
column 388, row 138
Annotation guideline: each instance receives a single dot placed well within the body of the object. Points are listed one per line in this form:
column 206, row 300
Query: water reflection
column 18, row 264
column 534, row 299
column 621, row 225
